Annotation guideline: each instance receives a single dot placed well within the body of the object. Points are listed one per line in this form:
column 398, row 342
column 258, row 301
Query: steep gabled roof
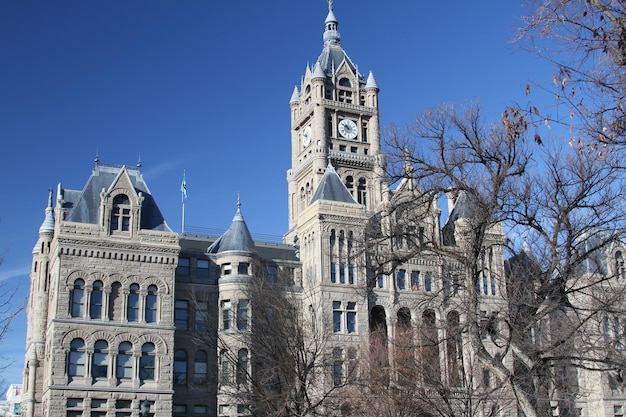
column 84, row 206
column 331, row 188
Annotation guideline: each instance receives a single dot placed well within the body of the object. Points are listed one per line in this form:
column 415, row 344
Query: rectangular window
column 200, row 409
column 243, row 268
column 401, row 278
column 351, row 317
column 181, row 314
column 337, row 316
column 271, row 273
column 380, row 281
column 350, row 274
column 201, row 316
column 415, row 280
column 485, row 287
column 227, row 315
column 428, row 282
column 242, row 314
column 333, row 272
column 342, row 274
column 353, row 149
column 183, row 266
column 179, row 410
column 202, row 268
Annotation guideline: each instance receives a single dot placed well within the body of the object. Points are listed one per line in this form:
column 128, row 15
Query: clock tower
column 335, row 120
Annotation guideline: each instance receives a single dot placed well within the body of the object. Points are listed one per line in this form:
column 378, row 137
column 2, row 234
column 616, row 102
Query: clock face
column 306, row 136
column 347, row 129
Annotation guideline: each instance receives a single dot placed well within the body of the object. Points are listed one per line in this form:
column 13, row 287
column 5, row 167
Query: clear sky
column 204, row 86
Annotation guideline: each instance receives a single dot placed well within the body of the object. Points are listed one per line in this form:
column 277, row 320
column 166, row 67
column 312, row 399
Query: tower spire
column 331, row 35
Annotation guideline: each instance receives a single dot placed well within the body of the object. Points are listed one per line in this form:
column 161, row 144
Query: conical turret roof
column 236, row 239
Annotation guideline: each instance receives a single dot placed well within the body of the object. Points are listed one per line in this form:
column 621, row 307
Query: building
column 11, row 406
column 125, row 313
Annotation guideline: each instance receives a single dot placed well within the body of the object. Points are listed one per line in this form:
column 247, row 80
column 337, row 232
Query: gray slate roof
column 84, row 205
column 236, row 238
column 332, row 188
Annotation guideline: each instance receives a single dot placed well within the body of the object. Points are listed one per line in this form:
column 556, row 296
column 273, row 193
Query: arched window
column 180, row 367
column 100, row 360
column 344, row 82
column 455, row 349
column 120, row 214
column 350, row 184
column 151, row 304
column 132, row 312
column 76, row 359
column 147, row 363
column 619, row 265
column 115, row 302
column 242, row 366
column 405, row 348
column 78, row 298
column 362, row 192
column 430, row 348
column 200, row 367
column 124, row 371
column 242, row 315
column 95, row 306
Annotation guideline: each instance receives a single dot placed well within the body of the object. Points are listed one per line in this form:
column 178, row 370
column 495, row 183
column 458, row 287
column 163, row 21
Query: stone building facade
column 123, row 312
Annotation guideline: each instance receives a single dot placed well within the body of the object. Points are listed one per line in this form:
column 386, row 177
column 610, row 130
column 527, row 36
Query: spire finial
column 238, row 202
column 139, row 162
column 330, row 5
column 97, row 158
column 50, row 197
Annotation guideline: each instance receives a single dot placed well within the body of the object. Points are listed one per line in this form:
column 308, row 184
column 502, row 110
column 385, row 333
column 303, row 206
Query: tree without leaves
column 586, row 41
column 564, row 203
column 8, row 310
column 290, row 361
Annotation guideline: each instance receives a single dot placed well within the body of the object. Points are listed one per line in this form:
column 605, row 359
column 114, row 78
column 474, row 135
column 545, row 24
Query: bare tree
column 568, row 208
column 586, row 41
column 10, row 307
column 276, row 357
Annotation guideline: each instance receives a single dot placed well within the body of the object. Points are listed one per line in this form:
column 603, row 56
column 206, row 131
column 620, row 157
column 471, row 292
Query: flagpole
column 183, row 191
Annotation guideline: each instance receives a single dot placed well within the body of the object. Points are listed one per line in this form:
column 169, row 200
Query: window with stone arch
column 151, row 306
column 76, row 359
column 132, row 308
column 100, row 360
column 78, row 298
column 242, row 367
column 362, row 191
column 200, row 367
column 620, row 271
column 180, row 367
column 115, row 302
column 120, row 214
column 95, row 305
column 350, row 184
column 124, row 369
column 147, row 363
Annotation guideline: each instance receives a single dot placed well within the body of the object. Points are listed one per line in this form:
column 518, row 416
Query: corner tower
column 335, row 119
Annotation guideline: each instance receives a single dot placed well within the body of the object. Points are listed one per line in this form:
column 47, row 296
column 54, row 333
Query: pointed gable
column 332, row 188
column 84, row 206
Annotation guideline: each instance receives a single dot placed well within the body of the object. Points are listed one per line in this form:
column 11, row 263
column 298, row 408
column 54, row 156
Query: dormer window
column 120, row 214
column 344, row 90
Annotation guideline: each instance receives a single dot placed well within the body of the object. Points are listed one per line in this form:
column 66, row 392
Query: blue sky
column 203, row 86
